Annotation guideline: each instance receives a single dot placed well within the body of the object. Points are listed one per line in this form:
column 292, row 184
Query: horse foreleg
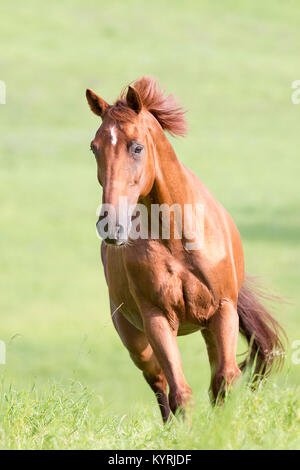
column 163, row 342
column 143, row 357
column 212, row 353
column 221, row 336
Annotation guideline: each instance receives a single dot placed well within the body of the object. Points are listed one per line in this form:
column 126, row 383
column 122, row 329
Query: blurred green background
column 231, row 64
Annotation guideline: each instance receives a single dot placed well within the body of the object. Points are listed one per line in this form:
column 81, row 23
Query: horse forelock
column 165, row 109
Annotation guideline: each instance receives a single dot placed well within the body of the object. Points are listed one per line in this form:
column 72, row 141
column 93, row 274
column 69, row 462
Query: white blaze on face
column 113, row 135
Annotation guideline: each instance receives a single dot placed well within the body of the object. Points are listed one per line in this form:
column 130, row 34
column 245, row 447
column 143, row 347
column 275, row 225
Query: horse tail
column 264, row 335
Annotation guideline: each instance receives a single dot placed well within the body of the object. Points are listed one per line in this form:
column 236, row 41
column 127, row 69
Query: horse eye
column 136, row 149
column 93, row 148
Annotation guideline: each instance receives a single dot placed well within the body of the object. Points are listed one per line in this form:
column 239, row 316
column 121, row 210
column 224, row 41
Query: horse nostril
column 117, row 236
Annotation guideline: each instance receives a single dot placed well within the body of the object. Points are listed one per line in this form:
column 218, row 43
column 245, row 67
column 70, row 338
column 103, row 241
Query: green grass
column 68, row 382
column 64, row 417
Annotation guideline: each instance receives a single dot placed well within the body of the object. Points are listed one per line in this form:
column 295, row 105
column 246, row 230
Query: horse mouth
column 113, row 242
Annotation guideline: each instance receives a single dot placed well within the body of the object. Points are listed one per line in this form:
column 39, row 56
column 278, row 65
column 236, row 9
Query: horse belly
column 188, row 328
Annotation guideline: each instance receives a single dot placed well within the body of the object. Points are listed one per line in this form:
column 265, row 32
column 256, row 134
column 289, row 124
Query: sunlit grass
column 71, row 417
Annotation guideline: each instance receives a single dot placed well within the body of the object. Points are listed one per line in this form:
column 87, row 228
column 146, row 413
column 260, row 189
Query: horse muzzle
column 115, row 236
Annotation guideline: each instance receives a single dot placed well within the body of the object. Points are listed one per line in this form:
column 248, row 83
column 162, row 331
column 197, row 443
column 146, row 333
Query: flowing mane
column 165, row 109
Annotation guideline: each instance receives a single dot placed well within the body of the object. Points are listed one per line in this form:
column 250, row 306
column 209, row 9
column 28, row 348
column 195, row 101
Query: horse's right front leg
column 163, row 341
column 142, row 355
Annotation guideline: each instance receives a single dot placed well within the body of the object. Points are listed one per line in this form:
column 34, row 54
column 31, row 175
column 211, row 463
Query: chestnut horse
column 158, row 288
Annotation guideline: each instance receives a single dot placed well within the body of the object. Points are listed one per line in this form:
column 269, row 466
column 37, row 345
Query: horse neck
column 172, row 186
column 170, row 183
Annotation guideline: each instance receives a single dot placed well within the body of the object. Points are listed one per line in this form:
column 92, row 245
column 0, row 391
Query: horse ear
column 134, row 100
column 97, row 104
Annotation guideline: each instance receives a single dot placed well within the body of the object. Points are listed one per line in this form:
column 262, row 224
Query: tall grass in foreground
column 72, row 417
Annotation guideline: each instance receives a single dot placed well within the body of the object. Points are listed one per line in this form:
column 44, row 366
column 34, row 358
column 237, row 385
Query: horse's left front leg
column 163, row 341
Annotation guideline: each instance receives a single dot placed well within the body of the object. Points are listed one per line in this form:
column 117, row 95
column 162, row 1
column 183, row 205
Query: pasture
column 68, row 382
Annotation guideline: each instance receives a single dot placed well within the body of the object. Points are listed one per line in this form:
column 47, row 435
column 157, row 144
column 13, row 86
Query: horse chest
column 159, row 280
